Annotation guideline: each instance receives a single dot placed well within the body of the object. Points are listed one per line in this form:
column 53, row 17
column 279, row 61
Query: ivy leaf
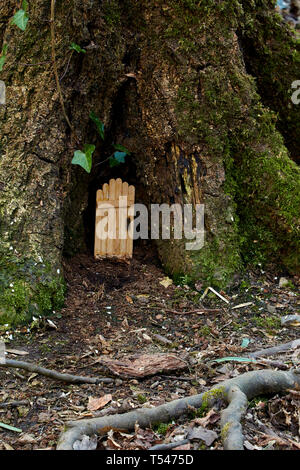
column 120, row 156
column 3, row 57
column 21, row 18
column 77, row 48
column 122, row 149
column 113, row 162
column 99, row 124
column 84, row 159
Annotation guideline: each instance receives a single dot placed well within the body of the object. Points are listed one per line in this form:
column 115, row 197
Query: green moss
column 252, row 403
column 264, row 183
column 161, row 428
column 208, row 400
column 225, row 430
column 204, row 331
column 112, row 12
column 141, row 398
column 267, row 40
column 268, row 323
column 27, row 289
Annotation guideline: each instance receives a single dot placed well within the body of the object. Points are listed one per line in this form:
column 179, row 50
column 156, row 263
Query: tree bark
column 170, row 80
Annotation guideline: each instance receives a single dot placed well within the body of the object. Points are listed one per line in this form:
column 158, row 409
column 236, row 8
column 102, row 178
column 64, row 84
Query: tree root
column 236, row 392
column 276, row 349
column 52, row 374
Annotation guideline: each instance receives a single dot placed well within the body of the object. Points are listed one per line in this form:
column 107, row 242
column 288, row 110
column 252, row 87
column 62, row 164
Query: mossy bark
column 169, row 81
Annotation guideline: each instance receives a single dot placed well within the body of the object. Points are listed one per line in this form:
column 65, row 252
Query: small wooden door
column 114, row 220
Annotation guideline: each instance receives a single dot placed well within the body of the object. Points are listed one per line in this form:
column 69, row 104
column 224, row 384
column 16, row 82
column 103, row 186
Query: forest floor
column 114, row 311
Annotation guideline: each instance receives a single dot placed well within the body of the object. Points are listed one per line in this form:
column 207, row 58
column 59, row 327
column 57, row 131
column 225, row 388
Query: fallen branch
column 234, row 391
column 52, row 374
column 276, row 349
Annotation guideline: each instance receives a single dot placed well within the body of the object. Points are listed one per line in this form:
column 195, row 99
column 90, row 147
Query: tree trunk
column 171, row 82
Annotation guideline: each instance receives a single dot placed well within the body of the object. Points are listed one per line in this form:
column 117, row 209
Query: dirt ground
column 116, row 310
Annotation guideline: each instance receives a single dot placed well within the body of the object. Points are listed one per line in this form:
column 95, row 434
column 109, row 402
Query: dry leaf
column 166, row 282
column 183, row 447
column 98, row 403
column 211, row 418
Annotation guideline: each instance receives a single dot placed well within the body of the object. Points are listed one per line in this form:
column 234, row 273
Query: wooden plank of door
column 123, row 222
column 118, row 195
column 98, row 244
column 112, row 221
column 129, row 243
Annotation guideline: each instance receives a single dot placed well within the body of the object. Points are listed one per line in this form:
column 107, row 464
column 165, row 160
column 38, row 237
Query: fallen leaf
column 202, row 434
column 166, row 282
column 27, row 438
column 17, row 352
column 98, row 403
column 211, row 418
column 184, row 447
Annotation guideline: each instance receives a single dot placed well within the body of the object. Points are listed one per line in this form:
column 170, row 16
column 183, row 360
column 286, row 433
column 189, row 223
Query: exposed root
column 52, row 374
column 232, row 434
column 236, row 392
column 276, row 349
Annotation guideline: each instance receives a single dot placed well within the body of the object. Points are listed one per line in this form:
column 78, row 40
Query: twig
column 14, row 403
column 224, row 326
column 247, row 304
column 32, row 65
column 67, row 67
column 197, row 311
column 175, row 377
column 169, row 446
column 216, row 293
column 75, row 379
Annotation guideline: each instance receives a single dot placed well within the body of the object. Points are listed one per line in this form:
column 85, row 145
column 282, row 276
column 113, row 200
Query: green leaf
column 84, row 159
column 245, row 342
column 77, row 48
column 120, row 156
column 122, row 149
column 20, row 18
column 99, row 124
column 3, row 57
column 113, row 162
column 10, row 428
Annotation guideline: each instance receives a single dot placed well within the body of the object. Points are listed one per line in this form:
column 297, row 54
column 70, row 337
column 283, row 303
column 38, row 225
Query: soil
column 115, row 310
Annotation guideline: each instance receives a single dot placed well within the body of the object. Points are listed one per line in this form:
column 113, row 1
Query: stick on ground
column 52, row 374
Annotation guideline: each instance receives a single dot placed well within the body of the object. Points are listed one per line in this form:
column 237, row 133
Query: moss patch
column 28, row 289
